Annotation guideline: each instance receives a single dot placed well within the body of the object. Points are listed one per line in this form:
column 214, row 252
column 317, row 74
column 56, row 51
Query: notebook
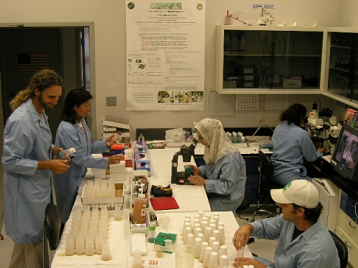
column 164, row 203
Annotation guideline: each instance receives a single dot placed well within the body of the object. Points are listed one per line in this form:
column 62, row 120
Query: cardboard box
column 292, row 82
column 118, row 199
column 329, row 197
column 138, row 228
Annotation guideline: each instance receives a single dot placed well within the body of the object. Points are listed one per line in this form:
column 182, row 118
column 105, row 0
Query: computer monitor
column 345, row 156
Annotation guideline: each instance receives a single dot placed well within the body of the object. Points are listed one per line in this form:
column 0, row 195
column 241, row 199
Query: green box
column 161, row 237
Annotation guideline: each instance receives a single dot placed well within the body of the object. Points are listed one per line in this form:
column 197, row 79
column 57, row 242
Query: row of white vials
column 204, row 239
column 98, row 188
column 88, row 233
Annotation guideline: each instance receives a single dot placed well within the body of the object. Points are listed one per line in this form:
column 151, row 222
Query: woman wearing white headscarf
column 224, row 174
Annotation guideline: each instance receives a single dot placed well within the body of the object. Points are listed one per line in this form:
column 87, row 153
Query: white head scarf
column 219, row 144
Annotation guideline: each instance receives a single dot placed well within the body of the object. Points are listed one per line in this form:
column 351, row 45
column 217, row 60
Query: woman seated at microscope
column 291, row 146
column 224, row 172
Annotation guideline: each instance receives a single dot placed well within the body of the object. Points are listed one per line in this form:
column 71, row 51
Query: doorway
column 26, row 50
column 67, row 49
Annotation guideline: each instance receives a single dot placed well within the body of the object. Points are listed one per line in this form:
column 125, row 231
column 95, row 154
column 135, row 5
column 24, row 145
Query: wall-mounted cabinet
column 342, row 65
column 268, row 60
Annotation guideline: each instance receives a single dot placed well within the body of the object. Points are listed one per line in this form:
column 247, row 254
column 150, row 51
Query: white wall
column 110, row 49
column 348, row 13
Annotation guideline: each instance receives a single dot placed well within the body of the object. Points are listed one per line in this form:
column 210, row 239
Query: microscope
column 181, row 177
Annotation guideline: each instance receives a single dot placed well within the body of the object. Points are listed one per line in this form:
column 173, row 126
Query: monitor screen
column 345, row 156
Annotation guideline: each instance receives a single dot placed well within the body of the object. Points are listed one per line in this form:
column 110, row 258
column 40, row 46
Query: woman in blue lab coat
column 224, row 174
column 74, row 132
column 291, row 146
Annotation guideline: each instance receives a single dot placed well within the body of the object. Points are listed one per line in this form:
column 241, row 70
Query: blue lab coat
column 66, row 184
column 225, row 182
column 312, row 248
column 27, row 190
column 291, row 146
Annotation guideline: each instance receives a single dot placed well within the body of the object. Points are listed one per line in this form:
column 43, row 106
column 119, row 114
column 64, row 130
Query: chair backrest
column 52, row 225
column 266, row 167
column 342, row 249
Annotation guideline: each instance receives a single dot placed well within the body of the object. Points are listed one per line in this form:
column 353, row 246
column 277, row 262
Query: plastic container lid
column 152, row 228
column 72, row 150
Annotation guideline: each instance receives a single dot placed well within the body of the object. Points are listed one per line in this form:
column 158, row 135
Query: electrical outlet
column 111, row 101
column 260, row 118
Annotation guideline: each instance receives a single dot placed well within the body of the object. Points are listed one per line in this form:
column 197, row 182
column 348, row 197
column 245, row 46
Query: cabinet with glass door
column 264, row 60
column 342, row 71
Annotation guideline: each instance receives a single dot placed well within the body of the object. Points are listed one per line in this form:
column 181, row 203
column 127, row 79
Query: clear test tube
column 190, row 240
column 223, row 250
column 207, row 234
column 186, row 224
column 186, row 232
column 70, row 245
column 197, row 247
column 204, row 224
column 222, row 235
column 213, row 262
column 208, row 251
column 211, row 240
column 223, row 261
column 240, row 253
column 202, row 251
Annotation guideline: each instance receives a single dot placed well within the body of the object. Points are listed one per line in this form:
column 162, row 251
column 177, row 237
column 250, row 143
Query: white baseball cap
column 299, row 192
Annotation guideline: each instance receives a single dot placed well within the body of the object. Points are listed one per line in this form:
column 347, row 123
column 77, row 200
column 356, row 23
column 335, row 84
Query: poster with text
column 165, row 55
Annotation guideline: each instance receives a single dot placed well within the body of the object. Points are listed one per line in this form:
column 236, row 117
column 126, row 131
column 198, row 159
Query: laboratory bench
column 191, row 199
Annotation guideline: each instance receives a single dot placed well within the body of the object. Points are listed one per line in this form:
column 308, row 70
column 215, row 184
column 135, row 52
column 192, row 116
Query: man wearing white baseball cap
column 304, row 240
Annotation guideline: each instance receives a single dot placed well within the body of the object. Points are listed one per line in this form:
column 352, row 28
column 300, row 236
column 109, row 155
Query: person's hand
column 240, row 262
column 110, row 141
column 322, row 149
column 115, row 159
column 197, row 180
column 56, row 150
column 59, row 166
column 195, row 170
column 242, row 235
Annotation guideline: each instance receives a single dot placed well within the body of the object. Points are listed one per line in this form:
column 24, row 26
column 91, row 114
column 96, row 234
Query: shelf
column 115, row 124
column 341, row 47
column 270, row 52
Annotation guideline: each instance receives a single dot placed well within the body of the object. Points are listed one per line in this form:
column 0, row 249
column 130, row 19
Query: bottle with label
column 66, row 153
column 140, row 204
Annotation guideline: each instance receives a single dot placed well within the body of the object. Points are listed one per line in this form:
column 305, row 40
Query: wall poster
column 165, row 55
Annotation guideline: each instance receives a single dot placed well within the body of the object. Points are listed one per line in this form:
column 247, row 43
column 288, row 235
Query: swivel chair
column 52, row 227
column 244, row 205
column 263, row 196
column 342, row 249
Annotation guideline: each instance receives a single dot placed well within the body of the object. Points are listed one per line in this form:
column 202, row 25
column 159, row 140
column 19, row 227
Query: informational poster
column 165, row 55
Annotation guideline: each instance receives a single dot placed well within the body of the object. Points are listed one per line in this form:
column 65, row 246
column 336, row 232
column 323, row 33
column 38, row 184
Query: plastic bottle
column 66, row 153
column 140, row 205
column 234, row 137
column 151, row 234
